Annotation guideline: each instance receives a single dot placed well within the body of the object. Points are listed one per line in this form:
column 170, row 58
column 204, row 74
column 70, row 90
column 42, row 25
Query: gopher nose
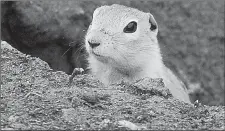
column 93, row 44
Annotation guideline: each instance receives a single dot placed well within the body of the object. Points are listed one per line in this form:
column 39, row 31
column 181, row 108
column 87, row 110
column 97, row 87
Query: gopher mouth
column 100, row 58
column 96, row 54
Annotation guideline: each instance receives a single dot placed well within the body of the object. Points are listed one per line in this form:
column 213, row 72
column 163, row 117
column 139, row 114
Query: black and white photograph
column 112, row 65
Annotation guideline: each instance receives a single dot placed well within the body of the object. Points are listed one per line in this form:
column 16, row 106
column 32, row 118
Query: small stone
column 105, row 123
column 130, row 125
column 13, row 118
column 68, row 114
column 19, row 126
column 5, row 45
column 7, row 129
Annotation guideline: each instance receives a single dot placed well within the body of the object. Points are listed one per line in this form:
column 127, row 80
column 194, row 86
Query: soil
column 191, row 37
column 33, row 96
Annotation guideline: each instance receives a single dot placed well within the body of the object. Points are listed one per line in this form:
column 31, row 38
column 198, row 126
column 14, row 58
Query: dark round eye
column 131, row 27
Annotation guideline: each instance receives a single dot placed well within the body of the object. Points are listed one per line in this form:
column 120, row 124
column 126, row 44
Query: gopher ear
column 153, row 24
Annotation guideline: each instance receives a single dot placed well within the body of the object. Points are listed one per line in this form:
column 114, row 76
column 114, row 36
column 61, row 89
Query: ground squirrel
column 122, row 45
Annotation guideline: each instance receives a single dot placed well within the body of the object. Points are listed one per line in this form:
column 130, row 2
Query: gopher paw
column 76, row 71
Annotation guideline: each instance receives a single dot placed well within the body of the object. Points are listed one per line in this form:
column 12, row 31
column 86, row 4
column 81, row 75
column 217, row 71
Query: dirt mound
column 33, row 96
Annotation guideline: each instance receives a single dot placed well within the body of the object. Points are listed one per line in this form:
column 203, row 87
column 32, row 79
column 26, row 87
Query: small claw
column 76, row 71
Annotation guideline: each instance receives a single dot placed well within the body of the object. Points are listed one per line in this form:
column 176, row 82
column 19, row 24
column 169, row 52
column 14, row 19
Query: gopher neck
column 109, row 75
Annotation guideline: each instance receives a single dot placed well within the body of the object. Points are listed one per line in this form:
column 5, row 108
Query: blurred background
column 191, row 37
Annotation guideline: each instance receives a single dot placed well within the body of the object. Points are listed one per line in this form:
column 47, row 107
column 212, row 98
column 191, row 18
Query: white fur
column 127, row 56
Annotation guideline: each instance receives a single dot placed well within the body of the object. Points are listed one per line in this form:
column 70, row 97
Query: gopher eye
column 131, row 27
